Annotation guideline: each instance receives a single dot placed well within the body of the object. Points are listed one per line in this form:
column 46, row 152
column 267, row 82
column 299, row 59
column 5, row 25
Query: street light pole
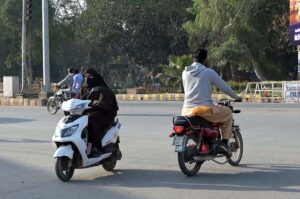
column 24, row 57
column 46, row 68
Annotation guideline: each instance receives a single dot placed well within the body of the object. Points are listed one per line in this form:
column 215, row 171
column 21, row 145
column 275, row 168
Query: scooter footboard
column 64, row 150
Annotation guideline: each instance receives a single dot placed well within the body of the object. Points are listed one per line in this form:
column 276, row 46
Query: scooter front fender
column 65, row 150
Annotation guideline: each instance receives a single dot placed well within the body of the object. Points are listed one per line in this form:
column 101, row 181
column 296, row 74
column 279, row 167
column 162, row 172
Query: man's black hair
column 76, row 71
column 199, row 55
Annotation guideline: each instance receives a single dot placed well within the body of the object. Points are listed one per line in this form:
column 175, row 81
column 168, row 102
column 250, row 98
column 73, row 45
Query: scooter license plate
column 177, row 141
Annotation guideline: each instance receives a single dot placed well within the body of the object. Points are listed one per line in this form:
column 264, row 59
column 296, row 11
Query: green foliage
column 243, row 35
column 129, row 41
column 171, row 73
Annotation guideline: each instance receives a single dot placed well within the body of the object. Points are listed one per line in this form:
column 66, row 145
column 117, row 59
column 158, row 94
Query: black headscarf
column 97, row 79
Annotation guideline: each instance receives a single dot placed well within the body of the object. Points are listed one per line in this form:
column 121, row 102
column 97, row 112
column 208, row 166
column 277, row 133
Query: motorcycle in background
column 196, row 140
column 54, row 102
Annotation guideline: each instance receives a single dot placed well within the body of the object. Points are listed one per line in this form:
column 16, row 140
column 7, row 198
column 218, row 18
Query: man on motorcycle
column 68, row 80
column 76, row 86
column 197, row 82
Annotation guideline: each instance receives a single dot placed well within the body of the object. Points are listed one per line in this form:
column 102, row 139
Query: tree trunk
column 232, row 72
column 257, row 70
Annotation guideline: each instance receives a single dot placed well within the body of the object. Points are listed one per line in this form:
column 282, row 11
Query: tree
column 144, row 32
column 242, row 35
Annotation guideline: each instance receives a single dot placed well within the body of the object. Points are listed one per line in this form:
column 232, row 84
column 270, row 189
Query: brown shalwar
column 215, row 114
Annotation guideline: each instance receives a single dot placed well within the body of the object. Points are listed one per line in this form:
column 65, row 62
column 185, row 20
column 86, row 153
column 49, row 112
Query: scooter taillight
column 178, row 129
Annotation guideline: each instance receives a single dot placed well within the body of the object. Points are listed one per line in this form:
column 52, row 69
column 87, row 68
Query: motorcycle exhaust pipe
column 205, row 158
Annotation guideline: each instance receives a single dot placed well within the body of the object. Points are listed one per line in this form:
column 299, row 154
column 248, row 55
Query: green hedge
column 238, row 87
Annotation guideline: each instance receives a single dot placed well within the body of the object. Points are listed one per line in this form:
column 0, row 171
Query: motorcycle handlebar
column 227, row 102
column 238, row 100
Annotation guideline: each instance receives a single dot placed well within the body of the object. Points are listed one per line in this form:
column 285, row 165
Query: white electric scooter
column 73, row 150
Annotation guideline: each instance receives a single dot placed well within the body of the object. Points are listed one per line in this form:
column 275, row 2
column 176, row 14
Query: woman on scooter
column 104, row 106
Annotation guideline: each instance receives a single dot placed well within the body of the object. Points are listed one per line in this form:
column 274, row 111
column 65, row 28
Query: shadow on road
column 146, row 115
column 8, row 120
column 282, row 178
column 25, row 141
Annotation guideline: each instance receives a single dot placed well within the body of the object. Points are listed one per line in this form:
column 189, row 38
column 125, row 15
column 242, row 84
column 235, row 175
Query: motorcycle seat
column 194, row 122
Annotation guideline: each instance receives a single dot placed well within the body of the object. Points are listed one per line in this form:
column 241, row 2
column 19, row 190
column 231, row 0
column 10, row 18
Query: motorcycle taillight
column 178, row 129
column 210, row 133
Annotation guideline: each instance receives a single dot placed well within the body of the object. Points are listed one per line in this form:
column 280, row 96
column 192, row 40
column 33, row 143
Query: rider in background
column 68, row 80
column 197, row 82
column 76, row 86
column 77, row 81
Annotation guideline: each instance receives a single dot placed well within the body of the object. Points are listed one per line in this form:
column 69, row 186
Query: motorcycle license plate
column 177, row 141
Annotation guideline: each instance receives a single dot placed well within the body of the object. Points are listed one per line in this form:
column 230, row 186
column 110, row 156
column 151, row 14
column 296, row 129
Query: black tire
column 109, row 165
column 186, row 165
column 63, row 169
column 237, row 148
column 52, row 105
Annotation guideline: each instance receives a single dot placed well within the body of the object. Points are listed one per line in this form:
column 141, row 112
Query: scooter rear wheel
column 63, row 169
column 110, row 164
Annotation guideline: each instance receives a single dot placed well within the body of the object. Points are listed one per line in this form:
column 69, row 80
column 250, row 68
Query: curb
column 19, row 101
column 160, row 97
column 149, row 97
column 9, row 101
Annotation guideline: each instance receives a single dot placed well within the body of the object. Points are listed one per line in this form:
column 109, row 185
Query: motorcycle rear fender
column 64, row 151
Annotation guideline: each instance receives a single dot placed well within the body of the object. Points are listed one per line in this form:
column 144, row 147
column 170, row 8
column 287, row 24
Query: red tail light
column 178, row 129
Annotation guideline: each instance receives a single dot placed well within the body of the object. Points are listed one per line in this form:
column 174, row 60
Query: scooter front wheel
column 64, row 169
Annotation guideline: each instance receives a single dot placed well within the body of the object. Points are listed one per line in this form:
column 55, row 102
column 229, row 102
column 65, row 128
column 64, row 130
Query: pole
column 46, row 68
column 24, row 58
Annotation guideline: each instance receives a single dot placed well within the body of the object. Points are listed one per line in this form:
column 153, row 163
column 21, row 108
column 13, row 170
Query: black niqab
column 97, row 79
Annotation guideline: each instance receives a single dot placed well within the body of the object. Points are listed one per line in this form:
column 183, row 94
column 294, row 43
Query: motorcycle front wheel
column 236, row 147
column 52, row 105
column 64, row 169
column 185, row 161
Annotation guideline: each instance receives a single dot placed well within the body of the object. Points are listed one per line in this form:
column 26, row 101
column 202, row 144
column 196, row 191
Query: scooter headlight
column 69, row 131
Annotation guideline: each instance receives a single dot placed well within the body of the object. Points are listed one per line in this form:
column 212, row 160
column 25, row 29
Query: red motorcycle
column 196, row 140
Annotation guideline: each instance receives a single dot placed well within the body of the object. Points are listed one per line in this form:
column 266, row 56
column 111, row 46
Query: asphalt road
column 270, row 168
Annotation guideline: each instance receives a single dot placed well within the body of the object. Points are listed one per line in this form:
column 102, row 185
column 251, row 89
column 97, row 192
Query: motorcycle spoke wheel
column 185, row 161
column 52, row 106
column 236, row 146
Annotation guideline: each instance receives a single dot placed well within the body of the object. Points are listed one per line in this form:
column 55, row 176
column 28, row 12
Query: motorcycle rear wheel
column 186, row 164
column 237, row 147
column 52, row 105
column 63, row 169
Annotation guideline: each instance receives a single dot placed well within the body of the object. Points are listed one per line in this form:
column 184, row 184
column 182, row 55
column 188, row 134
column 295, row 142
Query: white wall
column 10, row 86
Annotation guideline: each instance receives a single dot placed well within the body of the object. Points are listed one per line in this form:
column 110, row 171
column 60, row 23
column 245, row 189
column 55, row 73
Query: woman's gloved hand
column 95, row 103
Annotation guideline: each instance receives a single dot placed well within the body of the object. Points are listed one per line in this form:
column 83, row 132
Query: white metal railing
column 272, row 91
